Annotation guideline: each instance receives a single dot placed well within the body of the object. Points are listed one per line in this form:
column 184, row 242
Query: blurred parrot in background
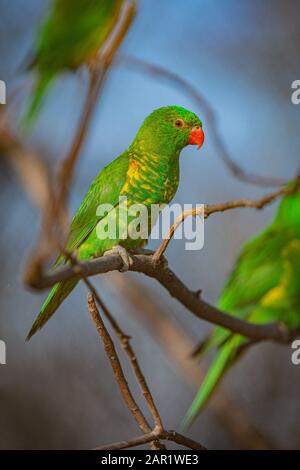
column 72, row 34
column 146, row 173
column 263, row 287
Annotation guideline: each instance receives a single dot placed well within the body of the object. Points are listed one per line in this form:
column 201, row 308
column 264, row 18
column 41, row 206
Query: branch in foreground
column 159, row 72
column 162, row 435
column 115, row 364
column 125, row 343
column 145, row 264
column 158, row 433
column 222, row 207
column 118, row 371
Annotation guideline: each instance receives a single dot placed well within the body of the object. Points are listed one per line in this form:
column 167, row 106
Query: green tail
column 38, row 93
column 57, row 295
column 223, row 359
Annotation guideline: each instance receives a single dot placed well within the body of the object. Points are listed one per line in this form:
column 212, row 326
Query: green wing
column 212, row 378
column 105, row 189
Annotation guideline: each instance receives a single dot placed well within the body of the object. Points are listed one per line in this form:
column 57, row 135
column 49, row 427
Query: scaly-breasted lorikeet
column 71, row 35
column 146, row 173
column 263, row 287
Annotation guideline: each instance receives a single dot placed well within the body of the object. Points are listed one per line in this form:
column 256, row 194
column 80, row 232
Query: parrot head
column 169, row 129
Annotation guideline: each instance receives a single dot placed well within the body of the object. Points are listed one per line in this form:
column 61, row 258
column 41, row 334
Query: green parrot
column 263, row 287
column 71, row 35
column 146, row 173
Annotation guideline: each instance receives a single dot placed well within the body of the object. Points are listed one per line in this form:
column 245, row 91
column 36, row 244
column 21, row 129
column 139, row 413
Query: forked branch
column 150, row 436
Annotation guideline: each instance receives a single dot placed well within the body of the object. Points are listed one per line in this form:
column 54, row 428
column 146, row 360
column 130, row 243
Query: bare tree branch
column 222, row 207
column 118, row 371
column 116, row 365
column 162, row 435
column 125, row 342
column 144, row 264
column 158, row 433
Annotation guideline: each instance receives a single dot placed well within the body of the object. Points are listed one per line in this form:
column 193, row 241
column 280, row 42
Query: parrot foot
column 124, row 255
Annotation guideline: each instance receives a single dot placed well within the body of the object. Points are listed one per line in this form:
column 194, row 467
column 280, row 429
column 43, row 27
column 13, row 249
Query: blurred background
column 58, row 390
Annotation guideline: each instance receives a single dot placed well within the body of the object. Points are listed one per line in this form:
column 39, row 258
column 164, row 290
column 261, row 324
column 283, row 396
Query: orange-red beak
column 196, row 137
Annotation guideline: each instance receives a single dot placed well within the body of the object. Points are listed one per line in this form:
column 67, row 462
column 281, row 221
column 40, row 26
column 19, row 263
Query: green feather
column 263, row 287
column 104, row 189
column 156, row 181
column 58, row 294
column 212, row 378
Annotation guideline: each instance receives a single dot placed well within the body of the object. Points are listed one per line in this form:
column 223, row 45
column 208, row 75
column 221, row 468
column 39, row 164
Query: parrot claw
column 124, row 255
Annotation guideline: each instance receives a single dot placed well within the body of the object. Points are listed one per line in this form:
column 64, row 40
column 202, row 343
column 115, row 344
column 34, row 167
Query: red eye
column 179, row 123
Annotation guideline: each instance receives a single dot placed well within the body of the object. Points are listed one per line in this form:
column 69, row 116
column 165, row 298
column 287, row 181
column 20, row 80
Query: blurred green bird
column 263, row 287
column 72, row 34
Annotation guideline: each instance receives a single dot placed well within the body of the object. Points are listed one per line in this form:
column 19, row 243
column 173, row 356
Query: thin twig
column 163, row 435
column 116, row 365
column 178, row 221
column 160, row 72
column 125, row 342
column 252, row 203
column 117, row 369
column 222, row 207
column 158, row 433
